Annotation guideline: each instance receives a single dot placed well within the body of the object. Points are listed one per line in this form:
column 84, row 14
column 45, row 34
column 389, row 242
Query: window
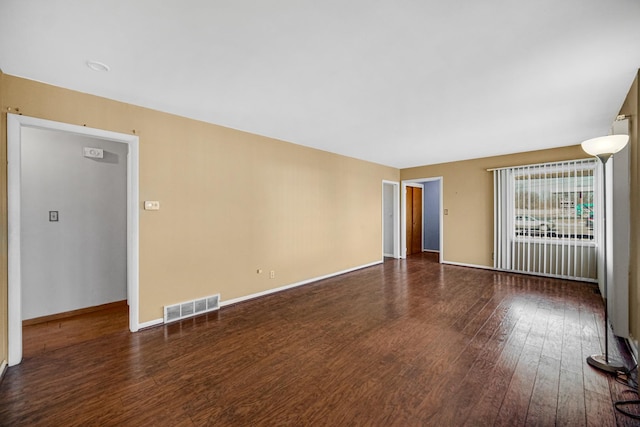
column 546, row 219
column 554, row 203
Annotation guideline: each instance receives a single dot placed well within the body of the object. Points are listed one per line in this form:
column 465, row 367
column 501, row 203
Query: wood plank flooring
column 74, row 329
column 406, row 343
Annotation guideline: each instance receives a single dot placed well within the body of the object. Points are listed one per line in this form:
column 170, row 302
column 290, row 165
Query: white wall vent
column 191, row 308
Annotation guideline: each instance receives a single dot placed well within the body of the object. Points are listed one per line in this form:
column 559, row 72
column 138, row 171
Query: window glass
column 554, row 204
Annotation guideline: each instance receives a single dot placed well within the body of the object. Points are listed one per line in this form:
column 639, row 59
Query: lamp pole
column 603, row 148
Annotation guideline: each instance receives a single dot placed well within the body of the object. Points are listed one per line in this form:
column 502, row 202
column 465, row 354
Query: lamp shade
column 610, row 144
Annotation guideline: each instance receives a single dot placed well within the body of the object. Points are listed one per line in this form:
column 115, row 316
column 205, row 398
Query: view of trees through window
column 555, row 205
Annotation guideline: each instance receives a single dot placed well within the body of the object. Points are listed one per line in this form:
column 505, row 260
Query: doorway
column 390, row 219
column 431, row 216
column 17, row 127
column 413, row 218
column 431, row 222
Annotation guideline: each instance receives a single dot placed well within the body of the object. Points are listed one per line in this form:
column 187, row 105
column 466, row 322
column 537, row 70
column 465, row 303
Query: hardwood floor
column 405, row 343
column 61, row 332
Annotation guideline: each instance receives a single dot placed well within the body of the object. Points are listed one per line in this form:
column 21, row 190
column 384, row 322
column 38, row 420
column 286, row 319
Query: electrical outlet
column 272, row 274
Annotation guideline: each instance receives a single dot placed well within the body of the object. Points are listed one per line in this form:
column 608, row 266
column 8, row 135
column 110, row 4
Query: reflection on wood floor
column 407, row 343
column 74, row 329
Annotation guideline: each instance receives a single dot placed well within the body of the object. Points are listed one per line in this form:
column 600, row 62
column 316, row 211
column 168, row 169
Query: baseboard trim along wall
column 151, row 323
column 295, row 285
column 484, row 267
column 160, row 321
column 3, row 369
column 64, row 315
column 462, row 264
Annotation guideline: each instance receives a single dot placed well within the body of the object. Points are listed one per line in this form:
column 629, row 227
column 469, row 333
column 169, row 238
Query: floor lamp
column 603, row 148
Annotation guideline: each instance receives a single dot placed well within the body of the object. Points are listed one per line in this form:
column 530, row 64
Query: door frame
column 403, row 214
column 14, row 186
column 396, row 217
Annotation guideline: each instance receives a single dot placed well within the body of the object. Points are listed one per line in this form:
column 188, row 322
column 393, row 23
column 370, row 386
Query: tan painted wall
column 631, row 107
column 231, row 202
column 468, row 197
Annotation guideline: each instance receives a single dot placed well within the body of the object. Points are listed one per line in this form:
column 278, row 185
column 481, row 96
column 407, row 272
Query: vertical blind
column 546, row 219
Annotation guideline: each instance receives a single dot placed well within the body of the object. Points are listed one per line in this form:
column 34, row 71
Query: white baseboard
column 388, row 255
column 160, row 321
column 484, row 267
column 462, row 264
column 552, row 276
column 150, row 323
column 295, row 285
column 3, row 368
column 431, row 250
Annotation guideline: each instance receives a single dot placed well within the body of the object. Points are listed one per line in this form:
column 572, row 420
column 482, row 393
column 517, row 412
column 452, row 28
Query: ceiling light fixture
column 98, row 66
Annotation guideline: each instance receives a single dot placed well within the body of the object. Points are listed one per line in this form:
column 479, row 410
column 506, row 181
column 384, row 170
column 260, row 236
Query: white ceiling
column 401, row 83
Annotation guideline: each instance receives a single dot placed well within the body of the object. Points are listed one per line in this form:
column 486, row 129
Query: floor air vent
column 191, row 308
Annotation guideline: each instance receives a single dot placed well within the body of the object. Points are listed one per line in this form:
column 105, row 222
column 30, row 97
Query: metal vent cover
column 191, row 308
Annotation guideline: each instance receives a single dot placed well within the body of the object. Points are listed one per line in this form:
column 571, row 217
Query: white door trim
column 396, row 217
column 403, row 216
column 14, row 143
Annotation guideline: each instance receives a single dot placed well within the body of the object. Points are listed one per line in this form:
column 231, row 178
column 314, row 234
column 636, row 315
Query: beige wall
column 631, row 107
column 231, row 202
column 468, row 197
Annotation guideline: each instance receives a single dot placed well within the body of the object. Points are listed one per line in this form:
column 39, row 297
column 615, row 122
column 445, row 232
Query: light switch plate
column 151, row 205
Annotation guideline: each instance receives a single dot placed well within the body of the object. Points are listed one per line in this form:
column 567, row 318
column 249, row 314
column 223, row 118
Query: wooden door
column 413, row 205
